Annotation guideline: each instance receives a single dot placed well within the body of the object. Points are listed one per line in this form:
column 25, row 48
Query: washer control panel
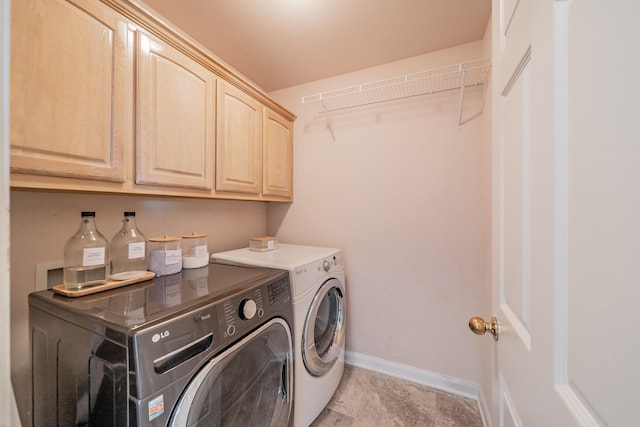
column 242, row 309
column 248, row 309
column 241, row 313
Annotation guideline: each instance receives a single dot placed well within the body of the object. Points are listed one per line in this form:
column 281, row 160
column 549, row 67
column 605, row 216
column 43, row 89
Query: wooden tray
column 111, row 284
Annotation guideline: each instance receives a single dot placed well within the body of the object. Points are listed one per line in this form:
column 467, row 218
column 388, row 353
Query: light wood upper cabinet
column 69, row 90
column 239, row 142
column 106, row 97
column 175, row 126
column 277, row 156
column 254, row 148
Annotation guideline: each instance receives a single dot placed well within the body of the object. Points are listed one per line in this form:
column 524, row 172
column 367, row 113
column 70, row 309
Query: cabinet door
column 239, row 142
column 175, row 117
column 68, row 89
column 277, row 156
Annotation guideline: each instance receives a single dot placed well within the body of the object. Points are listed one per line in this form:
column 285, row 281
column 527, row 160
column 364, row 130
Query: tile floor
column 369, row 399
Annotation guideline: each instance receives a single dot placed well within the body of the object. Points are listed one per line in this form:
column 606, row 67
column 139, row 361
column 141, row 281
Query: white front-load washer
column 318, row 288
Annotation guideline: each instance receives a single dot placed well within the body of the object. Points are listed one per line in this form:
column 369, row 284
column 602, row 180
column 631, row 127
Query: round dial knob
column 247, row 309
column 326, row 265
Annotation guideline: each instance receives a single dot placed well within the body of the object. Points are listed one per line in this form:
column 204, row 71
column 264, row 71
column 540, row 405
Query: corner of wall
column 486, row 39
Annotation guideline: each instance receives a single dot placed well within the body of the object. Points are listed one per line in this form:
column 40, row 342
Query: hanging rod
column 456, row 76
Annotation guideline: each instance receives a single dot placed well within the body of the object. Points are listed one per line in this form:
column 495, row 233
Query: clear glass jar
column 86, row 255
column 165, row 255
column 128, row 250
column 195, row 250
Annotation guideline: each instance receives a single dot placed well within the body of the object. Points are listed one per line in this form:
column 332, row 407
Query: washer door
column 249, row 384
column 323, row 334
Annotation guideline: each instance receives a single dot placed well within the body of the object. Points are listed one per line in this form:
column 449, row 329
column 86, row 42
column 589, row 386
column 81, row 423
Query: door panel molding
column 509, row 8
column 567, row 390
column 509, row 415
column 515, row 76
column 517, row 325
column 561, row 196
column 515, row 242
column 579, row 407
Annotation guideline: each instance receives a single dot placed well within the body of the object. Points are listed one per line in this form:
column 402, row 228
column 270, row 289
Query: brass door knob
column 480, row 327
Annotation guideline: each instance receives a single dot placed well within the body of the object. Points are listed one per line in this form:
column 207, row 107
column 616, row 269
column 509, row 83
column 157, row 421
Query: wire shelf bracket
column 451, row 77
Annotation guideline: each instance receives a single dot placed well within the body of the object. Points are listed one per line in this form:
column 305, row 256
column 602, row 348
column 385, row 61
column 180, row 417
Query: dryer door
column 324, row 328
column 249, row 384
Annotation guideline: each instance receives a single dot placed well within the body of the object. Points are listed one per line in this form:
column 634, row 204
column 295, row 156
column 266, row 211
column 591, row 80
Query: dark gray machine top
column 160, row 331
column 132, row 307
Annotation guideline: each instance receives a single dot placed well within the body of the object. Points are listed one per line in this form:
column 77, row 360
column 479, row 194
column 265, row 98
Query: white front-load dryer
column 319, row 314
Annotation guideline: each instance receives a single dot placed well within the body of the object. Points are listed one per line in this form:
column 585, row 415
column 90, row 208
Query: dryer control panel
column 308, row 275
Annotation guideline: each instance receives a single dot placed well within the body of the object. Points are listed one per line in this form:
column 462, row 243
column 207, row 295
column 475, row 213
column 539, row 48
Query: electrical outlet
column 48, row 275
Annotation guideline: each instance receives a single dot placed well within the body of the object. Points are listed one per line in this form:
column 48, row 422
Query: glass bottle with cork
column 86, row 256
column 128, row 250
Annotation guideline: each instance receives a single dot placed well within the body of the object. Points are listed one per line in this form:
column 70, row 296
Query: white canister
column 195, row 250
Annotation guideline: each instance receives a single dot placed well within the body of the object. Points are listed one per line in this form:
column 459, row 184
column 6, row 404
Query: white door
column 566, row 212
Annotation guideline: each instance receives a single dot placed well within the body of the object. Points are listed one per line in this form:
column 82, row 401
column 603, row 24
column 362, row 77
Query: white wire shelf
column 451, row 77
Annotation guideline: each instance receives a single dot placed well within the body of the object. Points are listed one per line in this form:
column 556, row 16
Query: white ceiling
column 283, row 43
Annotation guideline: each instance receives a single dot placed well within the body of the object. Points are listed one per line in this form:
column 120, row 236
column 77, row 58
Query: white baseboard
column 420, row 376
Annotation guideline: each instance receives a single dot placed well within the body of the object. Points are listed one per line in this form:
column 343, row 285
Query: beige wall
column 407, row 196
column 42, row 222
